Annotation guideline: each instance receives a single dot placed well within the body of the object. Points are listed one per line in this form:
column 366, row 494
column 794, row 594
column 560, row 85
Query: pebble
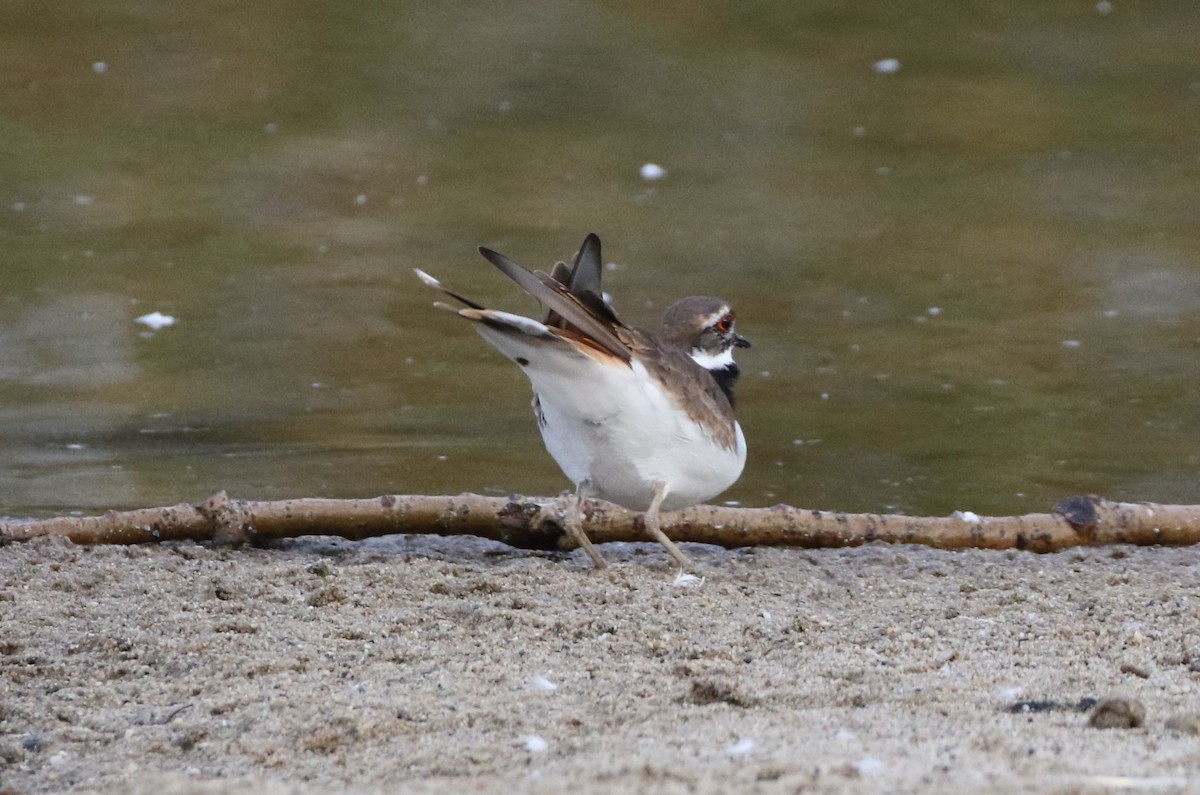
column 1185, row 724
column 1136, row 670
column 1118, row 713
column 534, row 743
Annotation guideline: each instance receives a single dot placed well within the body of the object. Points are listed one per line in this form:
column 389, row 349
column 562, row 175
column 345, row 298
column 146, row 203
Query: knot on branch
column 534, row 526
column 1081, row 512
column 230, row 524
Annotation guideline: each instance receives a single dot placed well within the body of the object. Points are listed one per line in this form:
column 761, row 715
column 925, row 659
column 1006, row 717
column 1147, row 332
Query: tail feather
column 510, row 323
column 575, row 312
column 435, row 284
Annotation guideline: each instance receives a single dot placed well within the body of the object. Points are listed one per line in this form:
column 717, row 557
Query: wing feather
column 558, row 299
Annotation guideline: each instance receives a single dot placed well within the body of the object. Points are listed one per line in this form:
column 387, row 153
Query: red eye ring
column 725, row 324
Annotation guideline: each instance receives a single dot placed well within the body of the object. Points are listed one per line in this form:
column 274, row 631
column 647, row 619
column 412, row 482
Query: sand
column 452, row 665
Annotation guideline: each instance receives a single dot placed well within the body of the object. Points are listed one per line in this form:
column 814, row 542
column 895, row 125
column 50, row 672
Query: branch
column 537, row 523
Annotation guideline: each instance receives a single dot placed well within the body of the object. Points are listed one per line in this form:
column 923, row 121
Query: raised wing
column 571, row 296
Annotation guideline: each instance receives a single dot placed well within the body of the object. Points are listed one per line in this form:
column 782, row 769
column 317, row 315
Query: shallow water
column 972, row 283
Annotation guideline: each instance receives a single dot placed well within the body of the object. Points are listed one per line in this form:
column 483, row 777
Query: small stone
column 1185, row 724
column 719, row 690
column 1118, row 713
column 321, row 568
column 534, row 743
column 10, row 754
column 328, row 595
column 1136, row 670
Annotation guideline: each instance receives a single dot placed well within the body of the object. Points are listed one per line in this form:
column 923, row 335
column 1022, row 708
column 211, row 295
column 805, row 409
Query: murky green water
column 971, row 283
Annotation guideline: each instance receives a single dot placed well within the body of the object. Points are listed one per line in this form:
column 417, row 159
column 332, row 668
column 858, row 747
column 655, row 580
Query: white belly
column 637, row 439
column 613, row 425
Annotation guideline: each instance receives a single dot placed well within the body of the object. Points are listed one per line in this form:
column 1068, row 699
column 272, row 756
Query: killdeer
column 639, row 418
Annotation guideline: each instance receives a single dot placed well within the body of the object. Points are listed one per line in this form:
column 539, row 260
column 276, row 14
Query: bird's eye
column 725, row 324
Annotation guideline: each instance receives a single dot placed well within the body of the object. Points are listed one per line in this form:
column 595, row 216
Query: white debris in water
column 743, row 746
column 1072, row 344
column 83, row 200
column 652, row 171
column 422, row 180
column 868, row 765
column 76, row 446
column 156, row 320
column 504, row 106
column 966, row 516
column 1104, row 7
column 534, row 743
column 685, row 580
column 19, row 207
column 859, row 132
column 99, row 67
column 539, row 682
column 888, row 66
column 933, row 311
column 270, row 128
column 360, row 199
column 824, row 396
column 1111, row 313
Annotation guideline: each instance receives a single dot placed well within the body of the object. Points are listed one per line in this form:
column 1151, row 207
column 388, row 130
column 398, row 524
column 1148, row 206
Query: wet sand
column 454, row 665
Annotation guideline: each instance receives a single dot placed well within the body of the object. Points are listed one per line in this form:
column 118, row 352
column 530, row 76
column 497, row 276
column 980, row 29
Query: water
column 972, row 282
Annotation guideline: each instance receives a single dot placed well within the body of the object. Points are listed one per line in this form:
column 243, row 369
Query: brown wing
column 584, row 312
column 582, row 278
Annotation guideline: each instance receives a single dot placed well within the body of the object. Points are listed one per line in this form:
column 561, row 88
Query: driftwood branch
column 532, row 523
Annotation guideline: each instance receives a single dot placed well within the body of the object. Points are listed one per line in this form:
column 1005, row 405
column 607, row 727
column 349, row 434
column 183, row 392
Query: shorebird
column 643, row 419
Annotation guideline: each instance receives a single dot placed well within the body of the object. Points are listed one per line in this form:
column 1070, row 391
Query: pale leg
column 652, row 526
column 575, row 524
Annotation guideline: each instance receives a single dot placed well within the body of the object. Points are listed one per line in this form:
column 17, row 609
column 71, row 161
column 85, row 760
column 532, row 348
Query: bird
column 643, row 419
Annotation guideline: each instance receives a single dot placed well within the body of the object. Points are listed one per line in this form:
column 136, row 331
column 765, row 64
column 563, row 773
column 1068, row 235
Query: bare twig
column 537, row 523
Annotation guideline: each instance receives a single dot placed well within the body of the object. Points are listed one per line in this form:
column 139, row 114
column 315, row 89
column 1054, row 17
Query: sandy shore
column 451, row 665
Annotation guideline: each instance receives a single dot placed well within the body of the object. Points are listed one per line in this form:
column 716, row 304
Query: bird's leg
column 575, row 524
column 652, row 525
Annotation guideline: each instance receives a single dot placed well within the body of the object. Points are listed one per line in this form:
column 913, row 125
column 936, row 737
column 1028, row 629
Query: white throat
column 712, row 361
